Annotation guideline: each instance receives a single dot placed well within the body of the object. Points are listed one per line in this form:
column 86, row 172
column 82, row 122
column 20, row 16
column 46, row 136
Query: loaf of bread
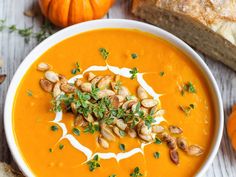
column 207, row 25
column 7, row 171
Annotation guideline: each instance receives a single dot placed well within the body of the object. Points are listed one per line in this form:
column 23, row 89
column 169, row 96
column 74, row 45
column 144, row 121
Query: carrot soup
column 113, row 103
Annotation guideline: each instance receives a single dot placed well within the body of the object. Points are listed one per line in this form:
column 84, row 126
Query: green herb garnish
column 94, row 163
column 76, row 69
column 136, row 172
column 157, row 141
column 122, row 147
column 162, row 73
column 134, row 55
column 54, row 128
column 29, row 93
column 187, row 109
column 61, row 146
column 76, row 131
column 104, row 53
column 91, row 128
column 133, row 73
column 156, row 155
column 27, row 33
column 94, row 92
column 113, row 175
column 188, row 87
column 122, row 133
column 117, row 85
column 50, row 149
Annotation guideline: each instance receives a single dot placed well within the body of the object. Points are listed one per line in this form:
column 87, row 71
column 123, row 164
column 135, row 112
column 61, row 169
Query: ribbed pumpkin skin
column 68, row 12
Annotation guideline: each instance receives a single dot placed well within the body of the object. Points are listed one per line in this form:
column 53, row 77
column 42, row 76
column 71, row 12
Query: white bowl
column 111, row 23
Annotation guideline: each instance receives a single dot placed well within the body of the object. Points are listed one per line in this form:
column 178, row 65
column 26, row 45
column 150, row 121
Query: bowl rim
column 100, row 24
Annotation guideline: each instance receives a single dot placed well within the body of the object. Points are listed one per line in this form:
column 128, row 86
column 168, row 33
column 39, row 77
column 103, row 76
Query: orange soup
column 113, row 103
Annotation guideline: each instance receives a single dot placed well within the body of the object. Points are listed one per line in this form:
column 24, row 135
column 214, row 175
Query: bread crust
column 210, row 31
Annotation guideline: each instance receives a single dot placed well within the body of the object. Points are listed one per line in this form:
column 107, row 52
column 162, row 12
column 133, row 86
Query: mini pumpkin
column 68, row 12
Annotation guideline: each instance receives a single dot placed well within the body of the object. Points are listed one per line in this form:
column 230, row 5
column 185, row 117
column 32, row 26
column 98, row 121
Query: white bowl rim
column 99, row 24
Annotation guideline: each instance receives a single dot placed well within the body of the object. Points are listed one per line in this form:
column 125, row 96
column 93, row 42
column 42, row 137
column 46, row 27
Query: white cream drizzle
column 125, row 72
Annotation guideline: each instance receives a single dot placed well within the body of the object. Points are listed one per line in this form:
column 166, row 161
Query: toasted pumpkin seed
column 107, row 133
column 46, row 85
column 96, row 80
column 67, row 88
column 104, row 82
column 89, row 118
column 91, row 76
column 132, row 133
column 182, row 144
column 175, row 129
column 142, row 94
column 121, row 98
column 157, row 129
column 43, row 67
column 51, row 76
column 116, row 130
column 78, row 82
column 80, row 121
column 114, row 101
column 147, row 138
column 123, row 91
column 73, row 108
column 57, row 89
column 174, row 156
column 121, row 124
column 105, row 93
column 62, row 79
column 128, row 104
column 86, row 87
column 195, row 150
column 103, row 143
column 149, row 103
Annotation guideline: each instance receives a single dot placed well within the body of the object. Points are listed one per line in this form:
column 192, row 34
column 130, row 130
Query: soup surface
column 184, row 97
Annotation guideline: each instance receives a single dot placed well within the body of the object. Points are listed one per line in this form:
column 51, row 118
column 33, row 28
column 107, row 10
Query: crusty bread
column 207, row 25
column 7, row 171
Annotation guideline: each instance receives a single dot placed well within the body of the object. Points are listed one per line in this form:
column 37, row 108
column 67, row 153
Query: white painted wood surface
column 13, row 50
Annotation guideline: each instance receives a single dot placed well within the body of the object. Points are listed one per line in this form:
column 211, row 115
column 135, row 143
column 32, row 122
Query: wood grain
column 13, row 50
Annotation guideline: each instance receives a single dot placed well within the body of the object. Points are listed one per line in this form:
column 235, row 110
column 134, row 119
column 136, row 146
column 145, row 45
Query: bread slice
column 207, row 25
column 7, row 171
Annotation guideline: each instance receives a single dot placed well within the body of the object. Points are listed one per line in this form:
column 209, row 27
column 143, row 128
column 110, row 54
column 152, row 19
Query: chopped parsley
column 134, row 56
column 54, row 128
column 76, row 131
column 133, row 73
column 122, row 147
column 50, row 149
column 156, row 155
column 61, row 146
column 94, row 163
column 104, row 53
column 136, row 172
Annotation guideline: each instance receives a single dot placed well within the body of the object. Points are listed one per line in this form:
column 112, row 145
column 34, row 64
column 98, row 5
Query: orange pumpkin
column 68, row 12
column 231, row 127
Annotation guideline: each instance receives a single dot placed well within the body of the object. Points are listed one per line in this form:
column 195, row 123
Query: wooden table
column 13, row 50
